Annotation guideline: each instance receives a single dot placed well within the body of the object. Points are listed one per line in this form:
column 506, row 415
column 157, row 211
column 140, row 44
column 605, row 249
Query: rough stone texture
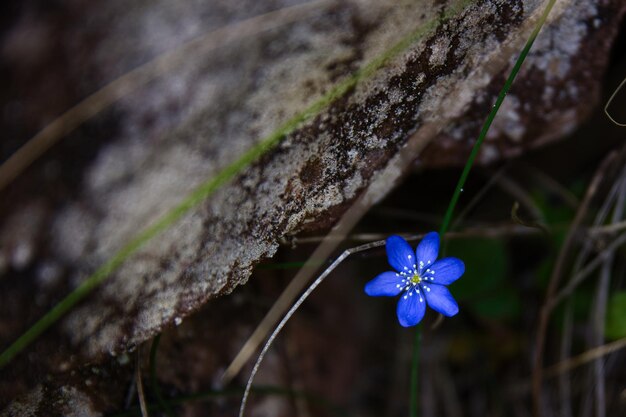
column 532, row 116
column 119, row 173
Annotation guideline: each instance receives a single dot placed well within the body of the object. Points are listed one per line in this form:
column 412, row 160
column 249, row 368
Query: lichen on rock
column 162, row 141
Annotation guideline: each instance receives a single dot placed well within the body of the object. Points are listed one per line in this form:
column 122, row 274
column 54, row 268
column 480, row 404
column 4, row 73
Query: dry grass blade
column 375, row 192
column 553, row 186
column 546, row 309
column 600, row 218
column 599, row 312
column 139, row 383
column 322, row 252
column 584, row 358
column 585, row 272
column 609, row 228
column 580, row 273
column 109, row 94
column 477, row 197
column 598, row 319
column 564, row 382
column 483, row 231
column 294, row 308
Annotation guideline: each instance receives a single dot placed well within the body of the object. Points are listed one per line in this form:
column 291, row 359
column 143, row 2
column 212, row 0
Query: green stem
column 415, row 372
column 483, row 133
column 206, row 189
column 468, row 166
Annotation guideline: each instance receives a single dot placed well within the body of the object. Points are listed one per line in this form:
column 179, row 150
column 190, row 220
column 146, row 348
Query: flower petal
column 428, row 249
column 399, row 253
column 440, row 299
column 445, row 271
column 411, row 308
column 385, row 284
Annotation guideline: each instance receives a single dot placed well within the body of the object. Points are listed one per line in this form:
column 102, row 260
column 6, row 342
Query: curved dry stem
column 376, row 191
column 294, row 308
column 608, row 103
column 417, row 141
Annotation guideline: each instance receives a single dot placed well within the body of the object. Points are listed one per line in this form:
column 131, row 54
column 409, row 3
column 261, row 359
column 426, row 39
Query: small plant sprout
column 420, row 278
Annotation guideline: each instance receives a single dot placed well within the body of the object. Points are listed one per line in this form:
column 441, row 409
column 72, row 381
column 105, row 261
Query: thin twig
column 598, row 317
column 585, row 272
column 154, row 383
column 516, row 191
column 550, row 184
column 478, row 197
column 564, row 382
column 486, row 231
column 609, row 228
column 227, row 173
column 590, row 242
column 599, row 313
column 377, row 189
column 140, row 393
column 120, row 87
column 190, row 201
column 328, row 245
column 542, row 18
column 584, row 358
column 294, row 308
column 521, row 389
column 415, row 144
column 405, row 214
column 546, row 309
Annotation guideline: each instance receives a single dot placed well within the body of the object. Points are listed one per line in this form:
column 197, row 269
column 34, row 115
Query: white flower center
column 411, row 282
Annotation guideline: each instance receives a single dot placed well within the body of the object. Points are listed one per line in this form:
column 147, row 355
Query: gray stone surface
column 160, row 142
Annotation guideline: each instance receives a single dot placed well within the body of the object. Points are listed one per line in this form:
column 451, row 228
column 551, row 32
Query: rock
column 131, row 164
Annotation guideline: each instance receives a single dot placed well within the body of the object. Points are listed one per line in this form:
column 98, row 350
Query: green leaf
column 484, row 287
column 615, row 327
column 485, row 266
column 503, row 304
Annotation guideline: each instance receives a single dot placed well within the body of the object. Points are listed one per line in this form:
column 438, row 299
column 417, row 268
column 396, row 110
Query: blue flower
column 420, row 278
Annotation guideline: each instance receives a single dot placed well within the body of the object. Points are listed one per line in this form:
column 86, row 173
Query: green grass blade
column 211, row 185
column 483, row 132
column 466, row 170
